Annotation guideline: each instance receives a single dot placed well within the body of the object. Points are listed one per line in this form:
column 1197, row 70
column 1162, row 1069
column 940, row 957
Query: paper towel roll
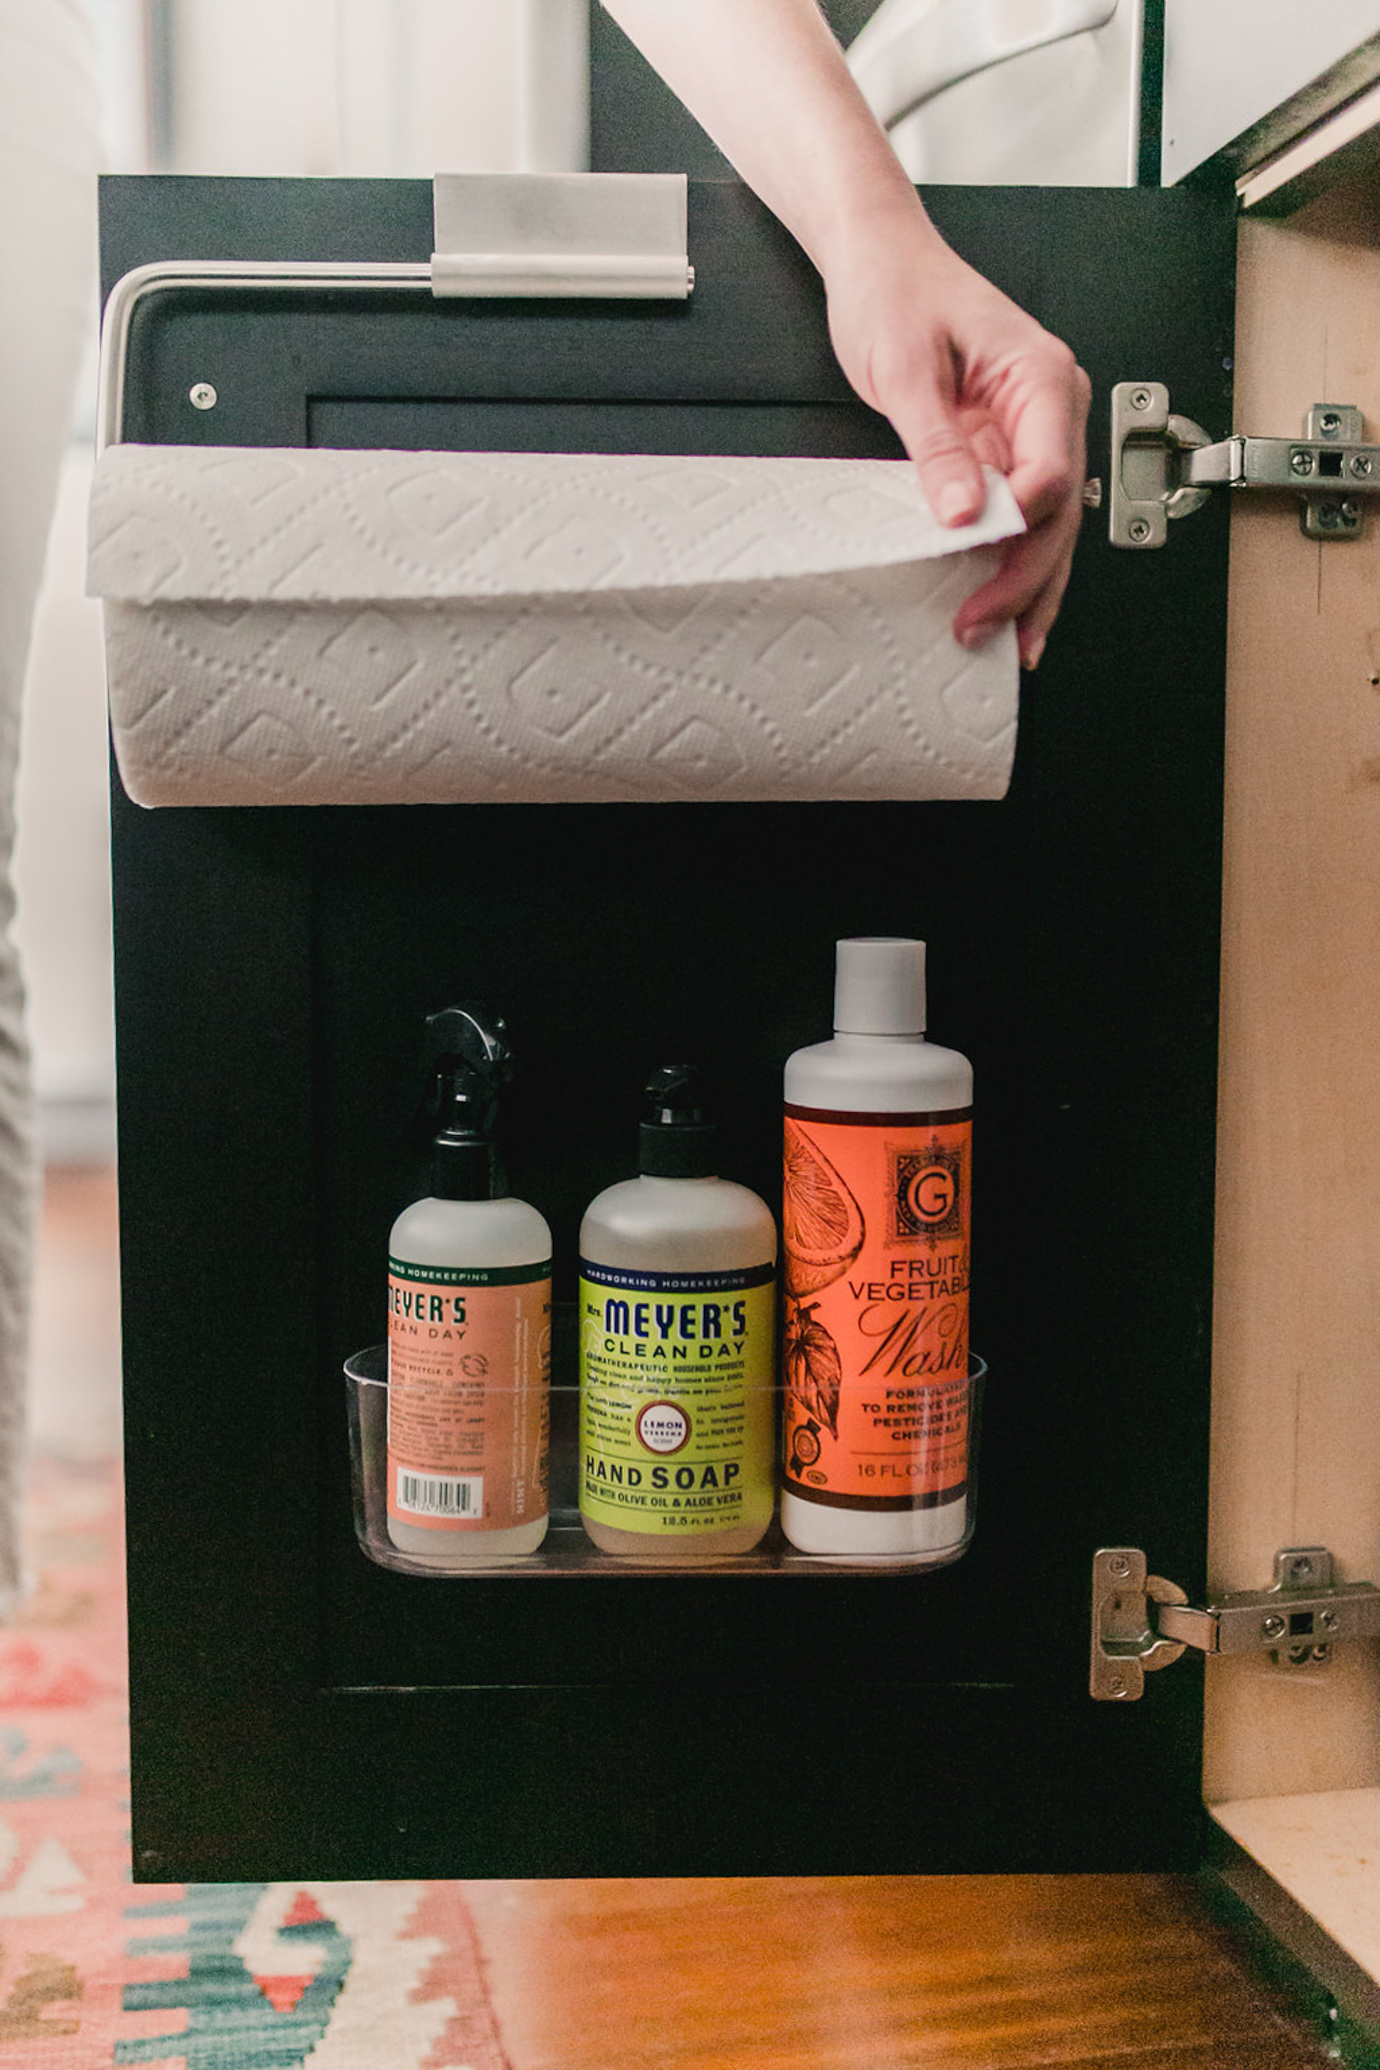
column 312, row 627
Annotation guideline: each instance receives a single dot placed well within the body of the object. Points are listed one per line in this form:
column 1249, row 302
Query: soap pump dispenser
column 469, row 1326
column 677, row 1345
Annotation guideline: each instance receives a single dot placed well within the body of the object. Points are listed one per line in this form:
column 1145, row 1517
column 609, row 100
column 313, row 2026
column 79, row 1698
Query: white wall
column 62, row 857
column 62, row 854
column 121, row 28
column 380, row 86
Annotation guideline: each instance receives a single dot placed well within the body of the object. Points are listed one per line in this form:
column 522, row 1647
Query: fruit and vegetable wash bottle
column 469, row 1328
column 677, row 1346
column 875, row 1222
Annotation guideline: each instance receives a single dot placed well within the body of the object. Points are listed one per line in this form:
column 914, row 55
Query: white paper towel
column 313, row 627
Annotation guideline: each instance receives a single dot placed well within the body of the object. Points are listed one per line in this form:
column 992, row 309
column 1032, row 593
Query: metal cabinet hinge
column 1165, row 466
column 1140, row 1622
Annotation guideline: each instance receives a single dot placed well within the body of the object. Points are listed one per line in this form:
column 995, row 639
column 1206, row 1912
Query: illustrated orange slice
column 823, row 1223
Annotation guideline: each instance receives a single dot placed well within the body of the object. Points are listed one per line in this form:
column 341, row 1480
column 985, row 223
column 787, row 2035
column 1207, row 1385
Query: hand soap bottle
column 677, row 1346
column 875, row 1223
column 469, row 1328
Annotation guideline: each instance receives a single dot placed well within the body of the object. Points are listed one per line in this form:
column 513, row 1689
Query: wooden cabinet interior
column 1296, row 1442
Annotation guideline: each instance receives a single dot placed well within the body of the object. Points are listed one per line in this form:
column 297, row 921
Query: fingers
column 1048, row 424
column 1033, row 624
column 1047, row 479
column 949, row 467
column 1028, row 586
column 991, row 448
column 1036, row 435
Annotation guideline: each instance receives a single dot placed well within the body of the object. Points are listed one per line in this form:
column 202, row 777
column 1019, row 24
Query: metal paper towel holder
column 605, row 235
column 587, row 236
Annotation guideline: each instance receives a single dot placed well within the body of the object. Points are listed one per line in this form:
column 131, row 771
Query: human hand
column 964, row 375
column 967, row 379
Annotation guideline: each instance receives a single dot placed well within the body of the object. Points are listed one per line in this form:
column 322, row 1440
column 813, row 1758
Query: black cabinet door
column 299, row 1711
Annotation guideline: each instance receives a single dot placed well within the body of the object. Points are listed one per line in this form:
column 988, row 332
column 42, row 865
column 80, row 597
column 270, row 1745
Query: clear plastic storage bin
column 567, row 1549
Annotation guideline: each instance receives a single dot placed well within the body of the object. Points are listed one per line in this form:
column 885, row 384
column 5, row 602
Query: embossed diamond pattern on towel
column 332, row 628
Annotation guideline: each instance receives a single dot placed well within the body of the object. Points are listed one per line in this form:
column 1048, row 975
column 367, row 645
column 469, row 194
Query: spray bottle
column 469, row 1326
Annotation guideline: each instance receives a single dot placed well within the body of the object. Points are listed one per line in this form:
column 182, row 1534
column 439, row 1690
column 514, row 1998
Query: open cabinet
column 1292, row 1764
column 297, row 1709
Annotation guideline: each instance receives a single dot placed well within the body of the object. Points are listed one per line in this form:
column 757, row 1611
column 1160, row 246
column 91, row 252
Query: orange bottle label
column 876, row 1222
column 469, row 1362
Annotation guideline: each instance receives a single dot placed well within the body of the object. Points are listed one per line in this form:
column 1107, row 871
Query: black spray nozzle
column 673, row 1094
column 676, row 1141
column 468, row 1059
column 474, row 1038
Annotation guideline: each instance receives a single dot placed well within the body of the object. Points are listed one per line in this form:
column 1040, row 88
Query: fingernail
column 955, row 504
column 974, row 636
column 1030, row 659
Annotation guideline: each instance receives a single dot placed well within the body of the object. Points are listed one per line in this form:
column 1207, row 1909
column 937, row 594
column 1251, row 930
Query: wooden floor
column 872, row 1973
column 814, row 1973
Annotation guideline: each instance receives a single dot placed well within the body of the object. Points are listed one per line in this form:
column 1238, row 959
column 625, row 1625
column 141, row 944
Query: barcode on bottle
column 441, row 1495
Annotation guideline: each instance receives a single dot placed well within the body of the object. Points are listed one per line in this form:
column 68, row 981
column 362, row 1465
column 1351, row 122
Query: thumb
column 949, row 468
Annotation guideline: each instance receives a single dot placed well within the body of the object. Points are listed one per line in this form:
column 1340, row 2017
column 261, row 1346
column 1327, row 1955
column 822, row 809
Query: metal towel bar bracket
column 615, row 236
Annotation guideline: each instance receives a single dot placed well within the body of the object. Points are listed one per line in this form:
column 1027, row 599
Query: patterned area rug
column 217, row 1976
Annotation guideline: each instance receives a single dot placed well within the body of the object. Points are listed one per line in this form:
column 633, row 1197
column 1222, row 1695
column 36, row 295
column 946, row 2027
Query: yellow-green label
column 676, row 1398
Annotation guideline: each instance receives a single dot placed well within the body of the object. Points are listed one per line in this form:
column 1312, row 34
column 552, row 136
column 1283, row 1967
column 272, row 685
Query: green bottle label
column 676, row 1399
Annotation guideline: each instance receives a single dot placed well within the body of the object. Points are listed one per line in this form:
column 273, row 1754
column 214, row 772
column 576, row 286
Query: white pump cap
column 879, row 986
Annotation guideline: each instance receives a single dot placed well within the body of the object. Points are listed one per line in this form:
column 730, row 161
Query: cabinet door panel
column 296, row 1710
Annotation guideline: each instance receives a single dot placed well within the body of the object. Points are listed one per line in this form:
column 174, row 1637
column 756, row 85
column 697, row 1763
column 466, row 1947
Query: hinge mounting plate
column 1125, row 1641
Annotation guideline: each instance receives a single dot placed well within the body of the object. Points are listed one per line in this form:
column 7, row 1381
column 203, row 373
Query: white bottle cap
column 879, row 986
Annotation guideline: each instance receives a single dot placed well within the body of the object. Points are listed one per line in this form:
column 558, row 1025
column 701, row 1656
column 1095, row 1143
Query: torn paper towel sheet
column 319, row 628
